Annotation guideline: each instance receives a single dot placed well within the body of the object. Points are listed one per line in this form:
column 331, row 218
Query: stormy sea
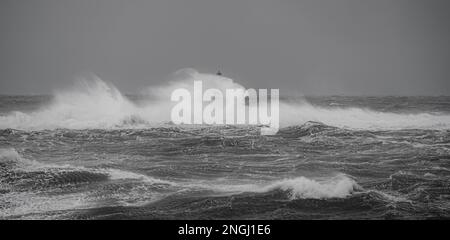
column 92, row 152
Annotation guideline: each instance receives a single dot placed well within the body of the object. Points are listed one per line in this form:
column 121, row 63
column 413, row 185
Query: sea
column 91, row 152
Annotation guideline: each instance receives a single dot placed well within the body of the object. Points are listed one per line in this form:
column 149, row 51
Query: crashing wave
column 95, row 104
column 340, row 186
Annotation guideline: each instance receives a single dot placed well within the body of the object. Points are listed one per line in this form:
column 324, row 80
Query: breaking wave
column 17, row 170
column 359, row 118
column 340, row 186
column 95, row 104
column 90, row 104
column 28, row 187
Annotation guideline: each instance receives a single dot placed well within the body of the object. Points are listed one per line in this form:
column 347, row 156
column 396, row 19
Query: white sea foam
column 116, row 174
column 9, row 155
column 34, row 204
column 12, row 157
column 339, row 186
column 31, row 203
column 89, row 104
column 94, row 104
column 358, row 118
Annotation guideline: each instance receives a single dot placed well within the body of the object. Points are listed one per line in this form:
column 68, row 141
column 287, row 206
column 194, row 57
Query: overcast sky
column 315, row 47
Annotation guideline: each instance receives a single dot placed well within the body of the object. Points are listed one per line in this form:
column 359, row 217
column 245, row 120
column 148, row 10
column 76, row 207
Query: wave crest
column 358, row 118
column 90, row 104
column 340, row 186
column 95, row 104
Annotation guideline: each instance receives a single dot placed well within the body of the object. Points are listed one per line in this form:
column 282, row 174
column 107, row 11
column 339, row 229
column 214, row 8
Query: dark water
column 311, row 170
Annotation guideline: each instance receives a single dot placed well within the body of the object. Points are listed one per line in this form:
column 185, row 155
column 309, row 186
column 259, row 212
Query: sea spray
column 94, row 104
column 338, row 186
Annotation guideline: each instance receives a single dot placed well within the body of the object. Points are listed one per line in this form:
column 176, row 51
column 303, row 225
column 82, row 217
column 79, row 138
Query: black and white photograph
column 224, row 110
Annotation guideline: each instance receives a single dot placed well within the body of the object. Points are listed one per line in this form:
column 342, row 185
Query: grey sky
column 351, row 47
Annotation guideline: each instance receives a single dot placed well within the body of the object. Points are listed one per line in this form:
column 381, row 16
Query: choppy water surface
column 342, row 158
